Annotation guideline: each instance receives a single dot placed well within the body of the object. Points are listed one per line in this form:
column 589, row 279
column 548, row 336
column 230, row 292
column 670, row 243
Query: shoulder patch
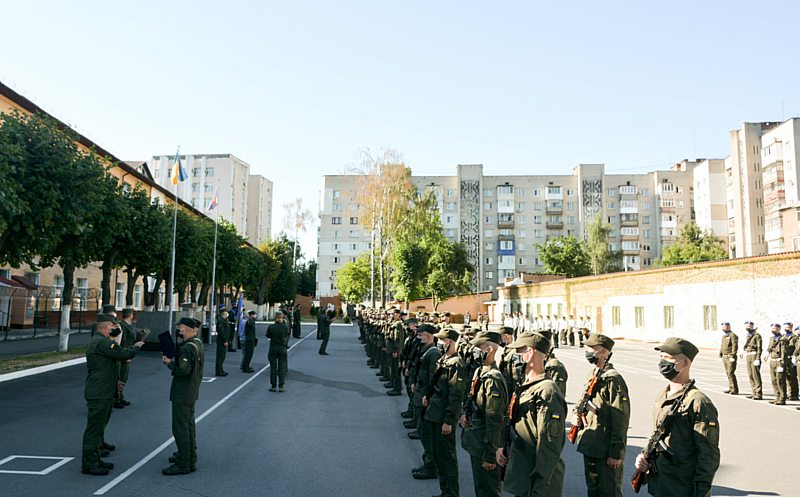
column 556, row 415
column 112, row 345
column 553, row 427
column 495, row 394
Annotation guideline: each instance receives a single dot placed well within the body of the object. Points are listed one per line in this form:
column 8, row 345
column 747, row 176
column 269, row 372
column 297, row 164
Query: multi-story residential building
column 710, row 194
column 232, row 176
column 779, row 158
column 500, row 219
column 259, row 209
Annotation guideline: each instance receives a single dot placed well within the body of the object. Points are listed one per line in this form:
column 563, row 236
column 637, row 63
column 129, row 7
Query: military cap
column 532, row 340
column 222, row 309
column 547, row 334
column 107, row 318
column 411, row 320
column 446, row 314
column 749, row 322
column 190, row 322
column 426, row 328
column 251, row 313
column 425, row 314
column 599, row 339
column 108, row 309
column 726, row 323
column 221, row 306
column 468, row 330
column 486, row 336
column 447, row 332
column 775, row 325
column 506, row 330
column 675, row 345
column 787, row 323
column 436, row 314
column 278, row 313
column 127, row 312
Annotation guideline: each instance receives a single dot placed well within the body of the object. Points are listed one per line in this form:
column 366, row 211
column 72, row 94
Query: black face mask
column 180, row 334
column 443, row 347
column 776, row 332
column 517, row 360
column 592, row 357
column 115, row 332
column 667, row 369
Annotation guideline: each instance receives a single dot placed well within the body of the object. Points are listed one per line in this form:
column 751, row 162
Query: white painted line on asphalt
column 41, row 369
column 207, row 379
column 61, row 461
column 113, row 483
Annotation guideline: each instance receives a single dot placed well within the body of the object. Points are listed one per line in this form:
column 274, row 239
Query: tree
column 603, row 259
column 262, row 269
column 450, row 271
column 410, row 268
column 295, row 221
column 284, row 287
column 354, row 280
column 565, row 255
column 693, row 245
column 307, row 274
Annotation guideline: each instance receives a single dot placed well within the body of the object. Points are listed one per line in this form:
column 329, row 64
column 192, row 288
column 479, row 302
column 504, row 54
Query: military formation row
column 506, row 389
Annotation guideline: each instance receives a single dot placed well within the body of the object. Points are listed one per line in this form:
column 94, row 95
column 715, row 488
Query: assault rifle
column 656, row 445
column 586, row 403
column 510, row 434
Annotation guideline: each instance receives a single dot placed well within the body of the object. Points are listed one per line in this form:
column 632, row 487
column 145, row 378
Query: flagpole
column 172, row 264
column 213, row 273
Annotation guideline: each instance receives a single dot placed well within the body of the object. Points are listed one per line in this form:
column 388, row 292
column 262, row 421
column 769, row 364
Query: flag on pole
column 178, row 173
column 215, row 200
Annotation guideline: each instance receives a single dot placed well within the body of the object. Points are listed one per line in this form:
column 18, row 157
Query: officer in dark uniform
column 107, row 309
column 325, row 330
column 187, row 374
column 278, row 334
column 728, row 350
column 224, row 337
column 127, row 340
column 791, row 365
column 296, row 322
column 752, row 356
column 249, row 341
column 103, row 356
column 778, row 358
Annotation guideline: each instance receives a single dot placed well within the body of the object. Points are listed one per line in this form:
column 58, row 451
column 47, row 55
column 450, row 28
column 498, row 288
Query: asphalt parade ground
column 334, row 432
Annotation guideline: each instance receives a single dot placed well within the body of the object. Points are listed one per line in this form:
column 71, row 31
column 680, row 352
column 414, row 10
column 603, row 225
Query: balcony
column 554, row 210
column 634, row 222
column 629, row 238
column 665, row 208
column 630, row 251
column 505, row 223
column 773, row 196
column 773, row 176
column 555, row 225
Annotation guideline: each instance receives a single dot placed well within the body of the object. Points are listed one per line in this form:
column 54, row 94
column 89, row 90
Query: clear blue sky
column 296, row 89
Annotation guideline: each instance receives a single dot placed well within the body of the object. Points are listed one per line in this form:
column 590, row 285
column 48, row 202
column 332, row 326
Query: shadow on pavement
column 718, row 490
column 358, row 388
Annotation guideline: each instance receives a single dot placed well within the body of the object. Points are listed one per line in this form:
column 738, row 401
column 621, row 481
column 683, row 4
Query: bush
column 346, row 320
column 339, row 312
column 313, row 310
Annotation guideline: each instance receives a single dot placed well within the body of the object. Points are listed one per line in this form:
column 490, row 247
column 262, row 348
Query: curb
column 41, row 369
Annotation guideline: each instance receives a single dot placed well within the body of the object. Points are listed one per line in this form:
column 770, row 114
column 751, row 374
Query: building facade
column 232, row 176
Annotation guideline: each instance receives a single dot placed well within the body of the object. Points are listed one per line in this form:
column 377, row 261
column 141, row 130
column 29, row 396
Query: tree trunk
column 372, row 269
column 133, row 277
column 108, row 265
column 66, row 296
column 383, row 285
column 181, row 295
column 260, row 312
column 193, row 292
column 262, row 292
column 152, row 295
column 203, row 299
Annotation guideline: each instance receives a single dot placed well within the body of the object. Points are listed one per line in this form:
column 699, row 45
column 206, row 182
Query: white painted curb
column 41, row 369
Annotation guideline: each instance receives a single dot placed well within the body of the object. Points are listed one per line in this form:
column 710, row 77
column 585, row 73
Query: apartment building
column 232, row 176
column 710, row 195
column 500, row 218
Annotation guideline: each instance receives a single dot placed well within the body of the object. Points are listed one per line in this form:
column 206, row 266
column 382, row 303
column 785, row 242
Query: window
column 521, row 233
column 506, row 245
column 667, row 187
column 612, row 234
column 645, row 206
column 612, row 219
column 646, row 192
column 450, row 233
column 506, row 232
column 647, row 262
column 537, row 219
column 489, row 219
column 709, row 317
column 554, row 219
column 645, row 219
column 679, row 189
column 520, row 193
column 353, row 246
column 336, row 220
column 630, row 231
column 196, row 172
column 610, row 205
column 337, row 194
column 537, row 192
column 338, row 207
column 209, row 172
column 680, row 204
column 628, row 204
column 554, row 190
column 521, row 261
column 611, row 192
column 570, row 193
column 505, row 190
column 333, row 274
column 570, row 206
column 209, row 187
column 669, row 317
column 451, row 193
column 615, row 316
column 571, row 219
column 448, row 219
column 570, row 232
column 639, row 311
column 627, row 190
column 451, row 206
column 487, row 206
column 488, row 261
column 630, row 245
column 119, row 296
column 645, row 246
column 195, row 187
column 335, row 260
column 58, row 287
column 521, row 246
column 612, row 247
column 353, row 220
column 489, row 245
column 505, row 203
column 537, row 233
column 137, row 297
column 335, row 246
column 82, row 286
column 505, row 259
column 355, row 234
column 487, row 193
column 489, row 233
column 521, row 205
column 521, row 219
column 488, row 275
column 157, row 173
column 336, row 234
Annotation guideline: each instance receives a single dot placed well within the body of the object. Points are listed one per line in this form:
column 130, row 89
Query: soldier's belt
column 752, row 353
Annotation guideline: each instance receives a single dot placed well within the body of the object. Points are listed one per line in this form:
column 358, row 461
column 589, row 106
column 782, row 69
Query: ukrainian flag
column 178, row 173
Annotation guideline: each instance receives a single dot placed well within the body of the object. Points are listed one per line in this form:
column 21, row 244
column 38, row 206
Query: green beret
column 190, row 322
column 426, row 328
column 675, row 345
column 127, row 312
column 532, row 340
column 448, row 332
column 107, row 318
column 486, row 336
column 108, row 309
column 598, row 339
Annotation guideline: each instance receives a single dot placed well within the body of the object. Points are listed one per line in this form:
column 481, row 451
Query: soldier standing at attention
column 296, row 321
column 423, row 378
column 486, row 321
column 483, row 424
column 752, row 349
column 444, row 409
column 187, row 374
column 466, row 318
column 535, row 466
column 249, row 341
column 778, row 357
column 126, row 340
column 693, row 433
column 224, row 337
column 325, row 330
column 791, row 365
column 603, row 434
column 278, row 334
column 398, row 338
column 728, row 350
column 103, row 357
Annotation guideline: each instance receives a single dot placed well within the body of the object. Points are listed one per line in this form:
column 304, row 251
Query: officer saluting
column 187, row 374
